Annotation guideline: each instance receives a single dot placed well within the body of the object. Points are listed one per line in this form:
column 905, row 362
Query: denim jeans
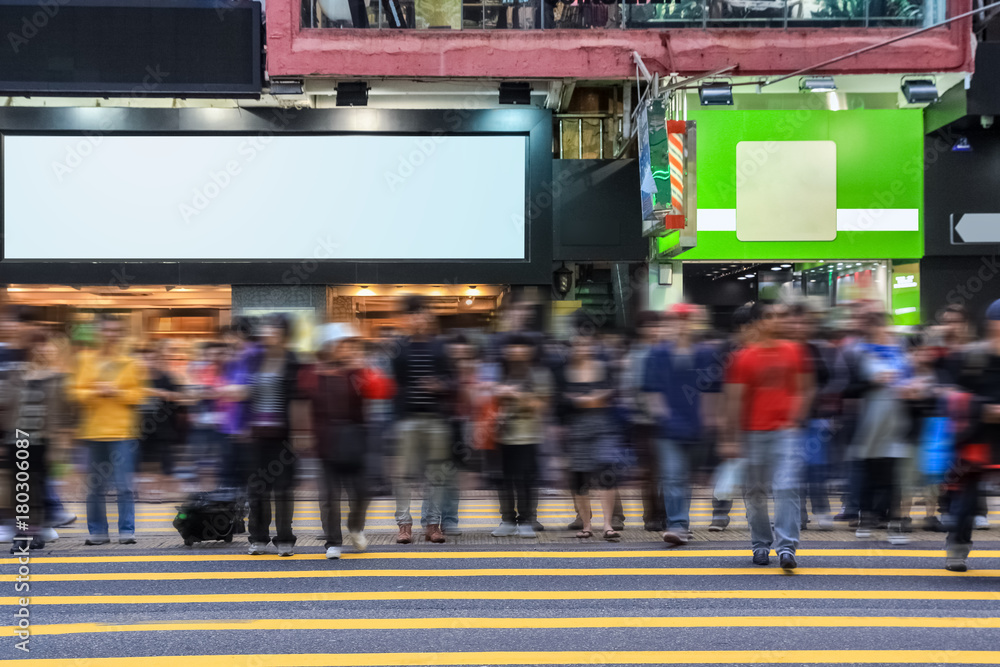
column 449, row 504
column 424, row 457
column 675, row 480
column 774, row 465
column 114, row 459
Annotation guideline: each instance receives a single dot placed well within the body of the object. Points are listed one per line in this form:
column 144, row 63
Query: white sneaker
column 896, row 536
column 525, row 530
column 359, row 541
column 256, row 549
column 6, row 533
column 285, row 549
column 982, row 523
column 862, row 533
column 63, row 518
column 333, row 553
column 824, row 522
column 505, row 530
column 48, row 535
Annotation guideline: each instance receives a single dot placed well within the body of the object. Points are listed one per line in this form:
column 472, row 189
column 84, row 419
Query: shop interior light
column 716, row 95
column 742, row 278
column 817, row 84
column 472, row 291
column 919, row 91
column 469, row 301
column 786, row 266
column 776, row 268
column 364, row 291
column 352, row 94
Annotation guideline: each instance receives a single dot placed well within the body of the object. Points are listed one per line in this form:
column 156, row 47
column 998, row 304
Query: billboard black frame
column 535, row 125
column 162, row 89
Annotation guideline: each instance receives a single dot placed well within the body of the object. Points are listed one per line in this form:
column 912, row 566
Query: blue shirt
column 679, row 379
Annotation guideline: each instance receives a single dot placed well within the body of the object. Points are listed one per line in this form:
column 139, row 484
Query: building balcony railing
column 442, row 15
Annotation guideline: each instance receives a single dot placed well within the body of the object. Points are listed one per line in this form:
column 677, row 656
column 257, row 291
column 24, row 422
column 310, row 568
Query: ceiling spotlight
column 751, row 275
column 919, row 91
column 786, row 266
column 817, row 84
column 716, row 95
column 364, row 291
column 352, row 94
column 515, row 92
column 742, row 278
column 776, row 268
column 962, row 145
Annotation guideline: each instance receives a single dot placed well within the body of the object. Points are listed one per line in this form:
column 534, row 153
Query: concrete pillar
column 662, row 297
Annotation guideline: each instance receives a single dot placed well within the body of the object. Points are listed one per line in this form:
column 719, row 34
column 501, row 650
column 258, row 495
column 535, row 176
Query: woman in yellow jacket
column 108, row 386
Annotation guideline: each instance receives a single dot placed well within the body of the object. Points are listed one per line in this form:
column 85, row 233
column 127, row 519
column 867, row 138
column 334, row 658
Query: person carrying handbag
column 336, row 389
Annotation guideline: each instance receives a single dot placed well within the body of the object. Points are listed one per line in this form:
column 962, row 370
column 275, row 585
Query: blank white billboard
column 363, row 197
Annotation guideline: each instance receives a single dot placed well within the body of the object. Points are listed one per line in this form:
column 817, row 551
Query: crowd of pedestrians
column 791, row 405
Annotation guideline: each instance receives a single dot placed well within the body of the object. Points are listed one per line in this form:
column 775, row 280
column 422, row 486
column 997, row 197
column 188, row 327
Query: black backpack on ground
column 212, row 515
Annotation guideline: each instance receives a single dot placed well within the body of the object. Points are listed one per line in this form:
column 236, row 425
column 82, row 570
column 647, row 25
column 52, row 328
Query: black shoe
column 846, row 516
column 577, row 524
column 654, row 526
column 906, row 525
column 761, row 557
column 538, row 527
column 719, row 523
column 956, row 565
column 787, row 560
column 933, row 524
column 617, row 523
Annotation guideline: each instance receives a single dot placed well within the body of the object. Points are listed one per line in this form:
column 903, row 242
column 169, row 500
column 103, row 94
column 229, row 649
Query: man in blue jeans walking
column 768, row 393
column 108, row 386
column 673, row 393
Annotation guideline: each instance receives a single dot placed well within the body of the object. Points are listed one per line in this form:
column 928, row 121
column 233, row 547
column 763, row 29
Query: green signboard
column 879, row 181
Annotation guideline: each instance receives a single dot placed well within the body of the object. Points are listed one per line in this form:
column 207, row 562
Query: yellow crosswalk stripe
column 500, row 572
column 403, row 554
column 396, row 595
column 800, row 657
column 953, row 622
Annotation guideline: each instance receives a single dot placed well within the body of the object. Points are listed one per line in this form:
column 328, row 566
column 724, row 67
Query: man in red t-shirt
column 767, row 398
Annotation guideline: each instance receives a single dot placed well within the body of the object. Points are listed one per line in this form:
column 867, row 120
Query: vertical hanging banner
column 676, row 133
column 647, row 186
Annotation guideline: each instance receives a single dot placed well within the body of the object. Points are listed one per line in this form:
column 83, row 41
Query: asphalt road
column 480, row 600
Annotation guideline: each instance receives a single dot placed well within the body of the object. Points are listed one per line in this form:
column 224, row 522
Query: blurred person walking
column 729, row 471
column 880, row 439
column 671, row 385
column 593, row 457
column 829, row 371
column 768, row 393
column 235, row 357
column 425, row 386
column 109, row 386
column 160, row 416
column 977, row 437
column 270, row 390
column 522, row 397
column 338, row 387
column 36, row 413
column 642, row 425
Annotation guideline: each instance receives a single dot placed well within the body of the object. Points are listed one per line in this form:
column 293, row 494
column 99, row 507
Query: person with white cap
column 337, row 387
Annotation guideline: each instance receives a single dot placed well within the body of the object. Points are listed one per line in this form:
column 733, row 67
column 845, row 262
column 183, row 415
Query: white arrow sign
column 979, row 227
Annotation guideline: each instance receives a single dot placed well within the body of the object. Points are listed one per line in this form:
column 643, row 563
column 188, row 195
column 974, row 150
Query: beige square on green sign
column 786, row 191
